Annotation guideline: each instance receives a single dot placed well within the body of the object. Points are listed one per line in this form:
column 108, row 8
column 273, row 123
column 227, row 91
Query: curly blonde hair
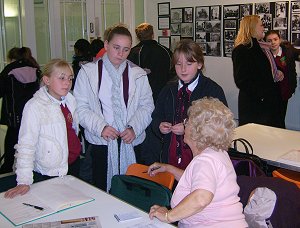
column 247, row 30
column 212, row 124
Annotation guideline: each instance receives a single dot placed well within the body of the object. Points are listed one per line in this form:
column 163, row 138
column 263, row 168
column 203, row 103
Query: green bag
column 140, row 192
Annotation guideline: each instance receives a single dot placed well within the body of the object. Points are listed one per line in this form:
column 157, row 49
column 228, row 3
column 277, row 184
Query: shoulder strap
column 100, row 65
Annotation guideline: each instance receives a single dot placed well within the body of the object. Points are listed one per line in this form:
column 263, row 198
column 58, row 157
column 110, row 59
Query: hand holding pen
column 157, row 168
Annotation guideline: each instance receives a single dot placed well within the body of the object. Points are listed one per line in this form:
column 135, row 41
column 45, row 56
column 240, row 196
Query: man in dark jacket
column 156, row 60
column 153, row 57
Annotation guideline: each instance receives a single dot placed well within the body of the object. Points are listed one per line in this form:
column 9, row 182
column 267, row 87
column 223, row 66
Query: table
column 104, row 206
column 278, row 147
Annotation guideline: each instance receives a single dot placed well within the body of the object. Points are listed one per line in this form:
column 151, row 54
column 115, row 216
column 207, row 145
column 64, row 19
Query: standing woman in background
column 285, row 56
column 255, row 74
column 19, row 80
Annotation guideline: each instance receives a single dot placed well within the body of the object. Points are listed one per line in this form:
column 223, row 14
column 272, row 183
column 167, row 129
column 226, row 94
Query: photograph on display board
column 174, row 41
column 280, row 9
column 188, row 14
column 187, row 30
column 296, row 7
column 215, row 13
column 202, row 46
column 176, row 15
column 262, row 8
column 202, row 13
column 175, row 28
column 200, row 26
column 231, row 11
column 245, row 10
column 213, row 49
column 230, row 24
column 295, row 21
column 201, row 37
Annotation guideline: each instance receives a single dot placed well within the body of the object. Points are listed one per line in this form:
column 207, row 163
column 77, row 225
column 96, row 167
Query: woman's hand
column 18, row 190
column 165, row 127
column 178, row 129
column 157, row 168
column 159, row 212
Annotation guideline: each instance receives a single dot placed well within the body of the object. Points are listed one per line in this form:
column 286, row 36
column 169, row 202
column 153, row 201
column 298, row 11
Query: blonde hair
column 247, row 30
column 211, row 123
column 53, row 64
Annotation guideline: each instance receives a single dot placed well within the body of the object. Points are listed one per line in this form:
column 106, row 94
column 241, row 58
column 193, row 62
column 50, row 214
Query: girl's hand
column 109, row 133
column 18, row 190
column 178, row 129
column 165, row 127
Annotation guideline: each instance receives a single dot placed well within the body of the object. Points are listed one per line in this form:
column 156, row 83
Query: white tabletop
column 104, row 206
column 277, row 146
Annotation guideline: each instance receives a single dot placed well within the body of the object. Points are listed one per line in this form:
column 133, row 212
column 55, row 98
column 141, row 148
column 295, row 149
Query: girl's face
column 274, row 40
column 59, row 82
column 260, row 30
column 118, row 49
column 186, row 70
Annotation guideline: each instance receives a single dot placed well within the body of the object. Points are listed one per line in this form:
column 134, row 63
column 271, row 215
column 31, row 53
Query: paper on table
column 90, row 222
column 127, row 216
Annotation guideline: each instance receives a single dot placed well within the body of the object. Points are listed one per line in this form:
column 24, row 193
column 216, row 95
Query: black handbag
column 246, row 163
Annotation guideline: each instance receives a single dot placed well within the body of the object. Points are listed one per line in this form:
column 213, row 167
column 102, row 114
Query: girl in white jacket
column 48, row 140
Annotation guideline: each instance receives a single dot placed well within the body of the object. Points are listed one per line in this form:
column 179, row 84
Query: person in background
column 96, row 46
column 19, row 80
column 156, row 60
column 48, row 145
column 207, row 191
column 255, row 74
column 174, row 100
column 153, row 57
column 105, row 36
column 114, row 107
column 285, row 56
column 82, row 49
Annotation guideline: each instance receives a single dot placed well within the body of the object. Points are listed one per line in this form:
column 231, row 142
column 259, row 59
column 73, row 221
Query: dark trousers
column 99, row 163
column 74, row 168
column 11, row 139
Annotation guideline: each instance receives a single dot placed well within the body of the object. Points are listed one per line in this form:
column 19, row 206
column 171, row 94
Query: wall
column 218, row 68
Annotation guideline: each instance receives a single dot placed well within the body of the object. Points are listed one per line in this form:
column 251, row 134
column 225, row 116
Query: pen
column 117, row 217
column 34, row 206
column 152, row 169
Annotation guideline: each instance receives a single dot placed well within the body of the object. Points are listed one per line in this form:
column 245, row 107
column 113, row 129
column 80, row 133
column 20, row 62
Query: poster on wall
column 232, row 15
column 208, row 29
column 295, row 23
column 274, row 15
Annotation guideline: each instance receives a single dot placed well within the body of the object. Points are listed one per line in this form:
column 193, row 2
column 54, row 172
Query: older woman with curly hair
column 207, row 191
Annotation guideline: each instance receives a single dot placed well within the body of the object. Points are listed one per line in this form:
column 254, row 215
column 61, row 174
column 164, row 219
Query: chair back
column 166, row 179
column 288, row 175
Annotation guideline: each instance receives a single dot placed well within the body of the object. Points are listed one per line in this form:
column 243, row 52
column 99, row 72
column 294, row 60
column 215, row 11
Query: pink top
column 213, row 171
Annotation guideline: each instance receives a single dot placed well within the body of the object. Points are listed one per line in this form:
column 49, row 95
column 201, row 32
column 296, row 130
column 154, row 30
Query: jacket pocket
column 50, row 153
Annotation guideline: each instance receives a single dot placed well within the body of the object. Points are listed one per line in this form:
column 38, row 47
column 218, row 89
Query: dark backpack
column 140, row 192
column 246, row 163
